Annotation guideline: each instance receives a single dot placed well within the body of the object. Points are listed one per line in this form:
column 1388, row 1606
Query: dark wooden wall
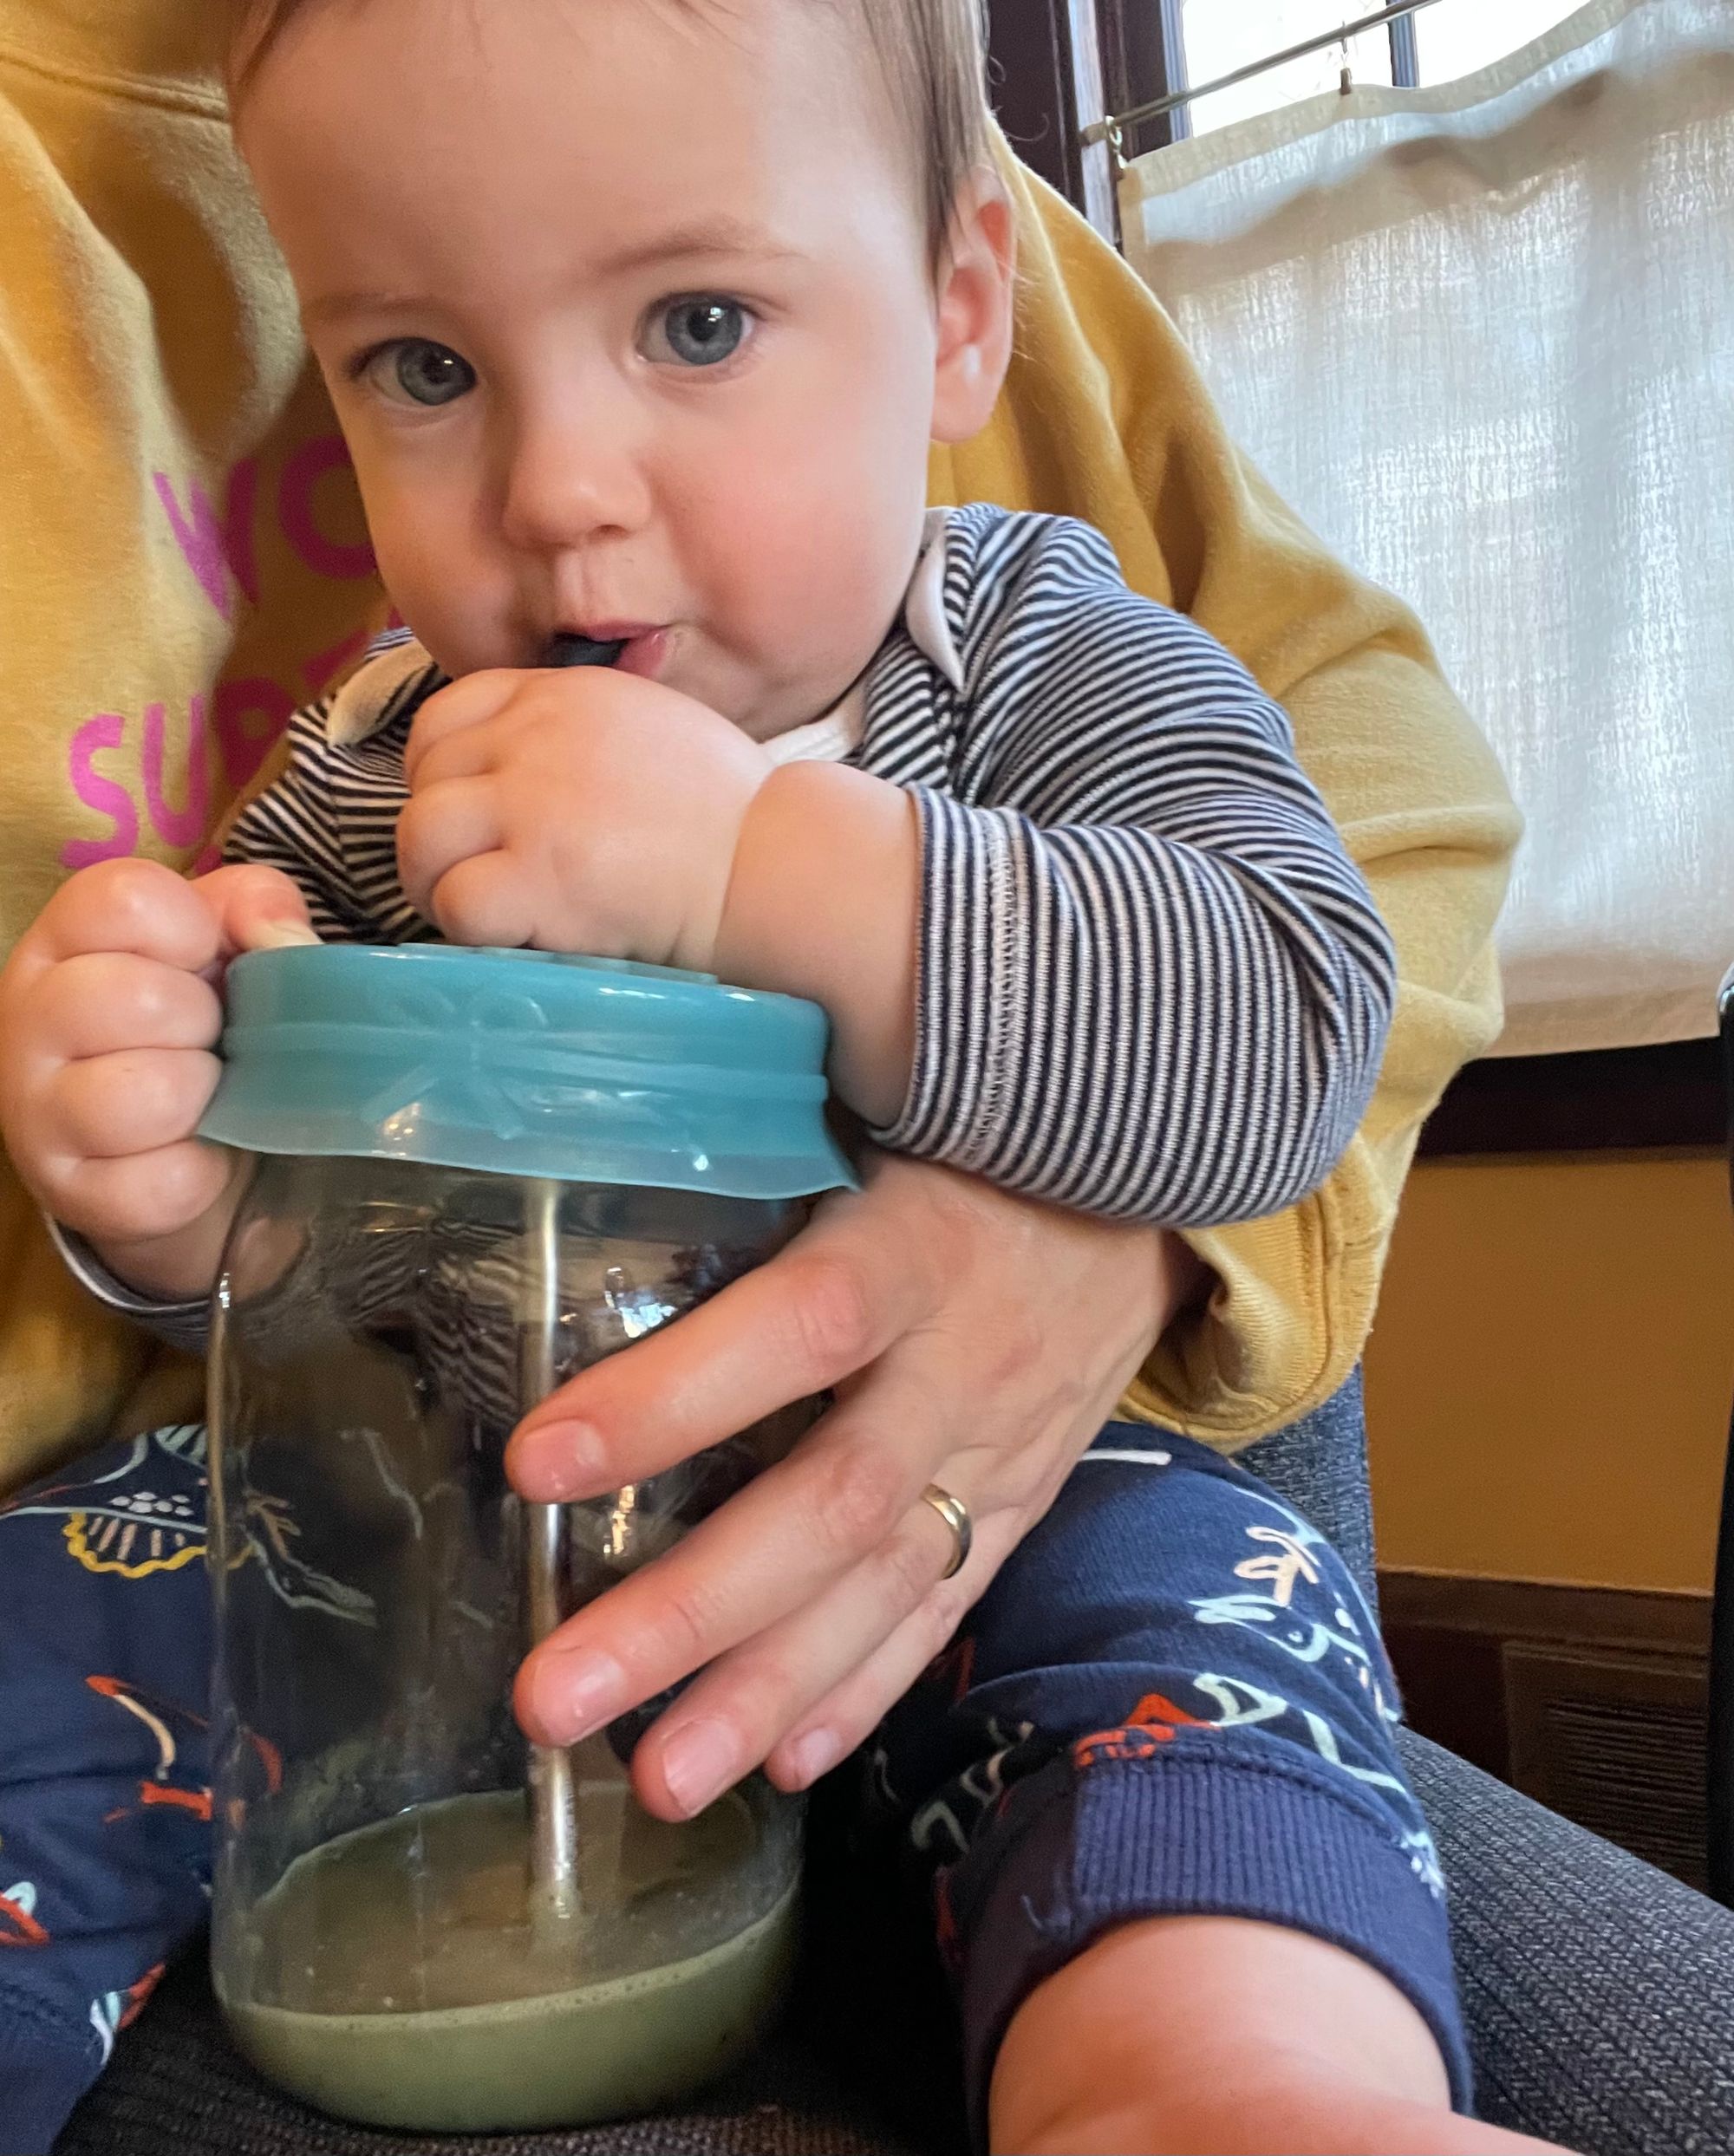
column 1046, row 74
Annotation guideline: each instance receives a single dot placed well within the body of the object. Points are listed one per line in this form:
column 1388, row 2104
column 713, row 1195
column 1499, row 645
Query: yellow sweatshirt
column 182, row 560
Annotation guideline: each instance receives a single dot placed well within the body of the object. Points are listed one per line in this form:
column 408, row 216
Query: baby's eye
column 699, row 331
column 413, row 370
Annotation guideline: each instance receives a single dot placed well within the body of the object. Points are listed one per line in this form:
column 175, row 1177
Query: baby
column 639, row 316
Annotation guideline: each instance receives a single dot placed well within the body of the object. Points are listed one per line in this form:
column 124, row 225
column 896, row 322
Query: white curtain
column 1483, row 336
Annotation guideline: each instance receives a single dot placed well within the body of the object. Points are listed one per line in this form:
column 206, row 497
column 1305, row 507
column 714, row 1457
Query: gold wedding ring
column 955, row 1514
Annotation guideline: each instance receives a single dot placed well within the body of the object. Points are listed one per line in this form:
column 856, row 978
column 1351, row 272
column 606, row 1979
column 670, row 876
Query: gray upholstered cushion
column 1598, row 1992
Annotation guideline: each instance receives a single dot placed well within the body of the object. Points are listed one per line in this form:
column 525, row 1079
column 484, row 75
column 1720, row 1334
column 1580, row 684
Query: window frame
column 1044, row 63
column 1155, row 31
column 1059, row 66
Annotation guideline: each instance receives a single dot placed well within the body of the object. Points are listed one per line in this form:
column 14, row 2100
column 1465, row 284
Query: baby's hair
column 931, row 53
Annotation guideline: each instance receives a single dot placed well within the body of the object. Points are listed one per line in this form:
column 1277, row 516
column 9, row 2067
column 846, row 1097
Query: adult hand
column 972, row 1338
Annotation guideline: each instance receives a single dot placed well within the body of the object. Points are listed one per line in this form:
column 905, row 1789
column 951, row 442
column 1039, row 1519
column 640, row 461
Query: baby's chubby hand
column 583, row 809
column 109, row 1020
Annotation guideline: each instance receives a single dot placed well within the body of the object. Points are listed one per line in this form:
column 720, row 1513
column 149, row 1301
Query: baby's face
column 627, row 310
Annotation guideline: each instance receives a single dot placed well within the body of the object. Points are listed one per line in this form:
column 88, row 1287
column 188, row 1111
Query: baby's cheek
column 447, row 586
column 833, row 576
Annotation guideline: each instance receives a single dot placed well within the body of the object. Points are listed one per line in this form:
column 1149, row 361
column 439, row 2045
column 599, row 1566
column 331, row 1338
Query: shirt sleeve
column 292, row 824
column 1152, row 984
column 324, row 809
column 186, row 1326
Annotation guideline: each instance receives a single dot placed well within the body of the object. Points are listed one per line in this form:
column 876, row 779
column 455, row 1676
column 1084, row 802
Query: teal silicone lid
column 589, row 1070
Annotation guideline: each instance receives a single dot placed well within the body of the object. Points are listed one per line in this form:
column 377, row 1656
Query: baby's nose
column 567, row 484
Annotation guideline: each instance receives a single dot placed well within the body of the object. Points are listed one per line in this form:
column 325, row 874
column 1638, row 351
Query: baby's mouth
column 567, row 648
column 645, row 653
column 631, row 647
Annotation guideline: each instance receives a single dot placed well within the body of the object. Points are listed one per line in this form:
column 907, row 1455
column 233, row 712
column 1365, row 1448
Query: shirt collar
column 834, row 737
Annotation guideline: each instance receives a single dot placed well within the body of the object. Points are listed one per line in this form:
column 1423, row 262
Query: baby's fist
column 109, row 1016
column 585, row 810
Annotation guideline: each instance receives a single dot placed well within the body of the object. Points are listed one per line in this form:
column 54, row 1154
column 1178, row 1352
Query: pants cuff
column 1216, row 1834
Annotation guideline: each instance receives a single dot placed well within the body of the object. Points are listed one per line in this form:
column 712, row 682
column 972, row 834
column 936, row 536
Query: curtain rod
column 1107, row 129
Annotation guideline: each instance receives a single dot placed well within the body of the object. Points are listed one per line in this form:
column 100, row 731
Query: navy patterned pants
column 1172, row 1700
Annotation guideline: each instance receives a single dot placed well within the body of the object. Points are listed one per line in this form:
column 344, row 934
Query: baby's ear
column 973, row 308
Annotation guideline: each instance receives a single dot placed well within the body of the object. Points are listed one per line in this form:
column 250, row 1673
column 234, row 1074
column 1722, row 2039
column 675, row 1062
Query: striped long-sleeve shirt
column 1152, row 984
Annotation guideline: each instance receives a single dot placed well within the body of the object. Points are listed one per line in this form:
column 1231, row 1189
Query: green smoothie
column 396, row 1974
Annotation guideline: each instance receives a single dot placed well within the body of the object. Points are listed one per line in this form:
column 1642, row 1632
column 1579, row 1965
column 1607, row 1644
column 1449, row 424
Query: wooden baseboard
column 1672, row 1623
column 1599, row 1100
column 1592, row 1700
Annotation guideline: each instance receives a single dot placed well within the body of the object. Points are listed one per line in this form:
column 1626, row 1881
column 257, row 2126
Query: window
column 1219, row 39
column 1460, row 35
column 1058, row 65
column 1436, row 44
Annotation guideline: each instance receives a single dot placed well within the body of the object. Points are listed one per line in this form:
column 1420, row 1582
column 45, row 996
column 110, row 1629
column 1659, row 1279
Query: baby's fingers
column 142, row 909
column 134, row 1101
column 255, row 908
column 144, row 1196
column 460, row 705
column 104, row 1001
column 136, row 906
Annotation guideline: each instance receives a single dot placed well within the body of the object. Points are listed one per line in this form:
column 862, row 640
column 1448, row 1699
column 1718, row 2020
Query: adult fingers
column 823, row 1308
column 838, row 1497
column 853, row 1708
column 750, row 1700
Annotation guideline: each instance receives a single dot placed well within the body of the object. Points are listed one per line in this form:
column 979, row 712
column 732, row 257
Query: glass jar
column 478, row 1175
